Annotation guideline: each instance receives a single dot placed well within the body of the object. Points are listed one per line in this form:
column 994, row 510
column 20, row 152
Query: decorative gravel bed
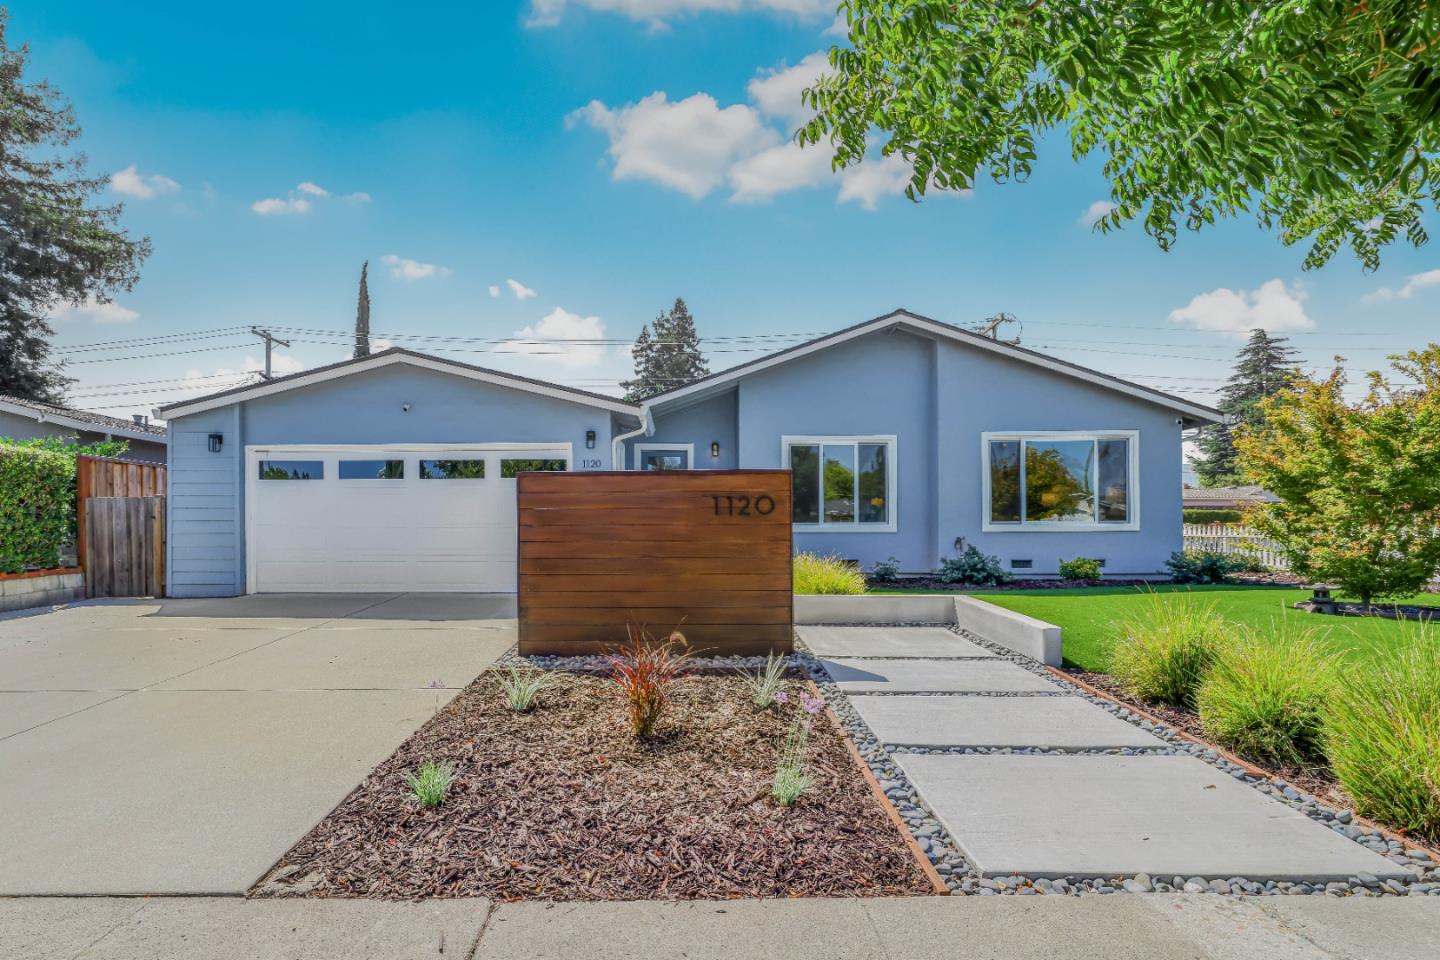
column 564, row 804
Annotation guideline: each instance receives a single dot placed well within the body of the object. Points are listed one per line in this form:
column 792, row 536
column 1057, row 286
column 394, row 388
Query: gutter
column 617, row 445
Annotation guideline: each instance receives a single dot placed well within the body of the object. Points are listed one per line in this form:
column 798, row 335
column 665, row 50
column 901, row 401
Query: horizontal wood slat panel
column 707, row 552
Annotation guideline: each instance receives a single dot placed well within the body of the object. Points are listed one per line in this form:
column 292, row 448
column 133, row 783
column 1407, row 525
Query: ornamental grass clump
column 432, row 783
column 816, row 574
column 647, row 670
column 766, row 681
column 1382, row 735
column 791, row 780
column 1265, row 696
column 1164, row 653
column 521, row 686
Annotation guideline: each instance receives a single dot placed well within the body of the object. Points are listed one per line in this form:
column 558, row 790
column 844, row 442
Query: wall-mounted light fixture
column 217, row 440
column 714, row 449
column 589, row 439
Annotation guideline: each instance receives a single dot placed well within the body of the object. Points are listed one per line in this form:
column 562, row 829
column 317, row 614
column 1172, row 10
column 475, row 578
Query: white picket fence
column 1232, row 538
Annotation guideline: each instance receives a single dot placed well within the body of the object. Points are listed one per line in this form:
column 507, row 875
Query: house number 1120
column 742, row 505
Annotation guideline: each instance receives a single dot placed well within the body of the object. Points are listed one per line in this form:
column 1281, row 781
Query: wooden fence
column 125, row 547
column 1231, row 538
column 108, row 477
column 707, row 551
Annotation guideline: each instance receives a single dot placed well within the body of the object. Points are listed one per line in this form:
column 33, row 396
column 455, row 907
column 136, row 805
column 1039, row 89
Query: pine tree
column 54, row 247
column 362, row 314
column 669, row 359
column 1263, row 367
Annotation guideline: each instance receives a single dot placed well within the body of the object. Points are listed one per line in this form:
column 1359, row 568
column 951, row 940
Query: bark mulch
column 564, row 804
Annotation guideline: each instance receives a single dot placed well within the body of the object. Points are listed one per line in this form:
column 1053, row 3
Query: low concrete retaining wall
column 1014, row 631
column 41, row 588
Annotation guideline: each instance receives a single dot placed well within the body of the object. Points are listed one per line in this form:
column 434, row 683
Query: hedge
column 37, row 507
column 1212, row 515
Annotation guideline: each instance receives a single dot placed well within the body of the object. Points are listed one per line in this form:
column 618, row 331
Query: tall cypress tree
column 1263, row 367
column 362, row 314
column 54, row 246
column 670, row 358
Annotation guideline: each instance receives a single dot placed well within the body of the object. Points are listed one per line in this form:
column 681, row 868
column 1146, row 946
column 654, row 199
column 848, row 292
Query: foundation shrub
column 816, row 574
column 1164, row 652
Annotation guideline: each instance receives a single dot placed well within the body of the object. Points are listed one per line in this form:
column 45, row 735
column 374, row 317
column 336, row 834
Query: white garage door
column 386, row 518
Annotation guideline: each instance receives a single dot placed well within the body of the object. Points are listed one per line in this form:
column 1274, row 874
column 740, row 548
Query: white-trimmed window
column 842, row 483
column 1066, row 481
column 664, row 456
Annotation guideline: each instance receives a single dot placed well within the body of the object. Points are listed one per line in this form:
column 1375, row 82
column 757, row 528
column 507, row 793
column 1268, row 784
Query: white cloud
column 874, row 178
column 688, row 145
column 1414, row 282
column 314, row 189
column 552, row 339
column 777, row 92
column 132, row 183
column 93, row 309
column 275, row 207
column 403, row 268
column 1272, row 306
column 547, row 13
column 838, row 27
column 280, row 364
column 776, row 170
column 494, row 290
column 521, row 291
column 356, row 198
column 1093, row 213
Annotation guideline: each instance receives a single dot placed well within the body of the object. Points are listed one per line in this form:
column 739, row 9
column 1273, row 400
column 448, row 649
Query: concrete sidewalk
column 1119, row 927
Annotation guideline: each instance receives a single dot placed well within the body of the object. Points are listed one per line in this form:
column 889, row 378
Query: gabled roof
column 904, row 319
column 1248, row 493
column 76, row 419
column 385, row 358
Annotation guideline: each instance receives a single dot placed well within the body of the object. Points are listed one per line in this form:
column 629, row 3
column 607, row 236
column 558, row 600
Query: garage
column 364, row 518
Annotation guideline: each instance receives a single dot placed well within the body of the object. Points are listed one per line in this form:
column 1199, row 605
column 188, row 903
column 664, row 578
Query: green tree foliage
column 37, row 498
column 1052, row 490
column 1359, row 483
column 54, row 246
column 669, row 358
column 1264, row 367
column 362, row 314
column 1317, row 118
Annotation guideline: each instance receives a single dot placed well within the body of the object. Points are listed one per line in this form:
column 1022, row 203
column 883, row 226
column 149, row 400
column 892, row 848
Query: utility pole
column 270, row 341
column 991, row 327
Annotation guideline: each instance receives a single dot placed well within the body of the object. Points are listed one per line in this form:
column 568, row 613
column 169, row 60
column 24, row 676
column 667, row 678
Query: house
column 1225, row 498
column 906, row 436
column 26, row 419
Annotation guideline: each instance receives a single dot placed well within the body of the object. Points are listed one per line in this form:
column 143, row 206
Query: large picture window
column 842, row 483
column 1061, row 481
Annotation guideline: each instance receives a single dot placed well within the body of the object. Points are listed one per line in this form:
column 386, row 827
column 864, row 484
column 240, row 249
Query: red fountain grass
column 646, row 670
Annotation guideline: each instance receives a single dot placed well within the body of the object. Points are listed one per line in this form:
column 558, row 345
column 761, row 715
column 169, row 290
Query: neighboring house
column 25, row 419
column 1225, row 498
column 395, row 471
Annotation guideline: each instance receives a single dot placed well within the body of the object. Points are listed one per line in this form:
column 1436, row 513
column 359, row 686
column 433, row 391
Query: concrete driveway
column 181, row 746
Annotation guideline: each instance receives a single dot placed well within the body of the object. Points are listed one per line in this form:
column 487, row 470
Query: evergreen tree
column 54, row 247
column 670, row 358
column 1263, row 367
column 362, row 314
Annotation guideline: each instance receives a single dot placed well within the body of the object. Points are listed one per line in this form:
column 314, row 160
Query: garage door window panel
column 372, row 470
column 510, row 469
column 292, row 470
column 467, row 469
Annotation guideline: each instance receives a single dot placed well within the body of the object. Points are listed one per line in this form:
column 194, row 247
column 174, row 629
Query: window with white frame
column 1061, row 481
column 842, row 483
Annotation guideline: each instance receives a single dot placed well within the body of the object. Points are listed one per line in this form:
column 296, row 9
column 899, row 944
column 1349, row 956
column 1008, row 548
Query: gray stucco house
column 396, row 471
column 27, row 419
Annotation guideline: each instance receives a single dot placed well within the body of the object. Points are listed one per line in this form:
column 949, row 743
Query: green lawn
column 1088, row 615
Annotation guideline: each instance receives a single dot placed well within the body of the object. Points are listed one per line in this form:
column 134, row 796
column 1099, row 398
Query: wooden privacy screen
column 106, row 477
column 707, row 551
column 125, row 547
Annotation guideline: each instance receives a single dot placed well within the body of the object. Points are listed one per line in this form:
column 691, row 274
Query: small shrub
column 432, row 783
column 521, row 685
column 885, row 571
column 1081, row 568
column 1264, row 696
column 766, row 681
column 1164, row 652
column 1382, row 735
column 817, row 574
column 974, row 568
column 1211, row 515
column 647, row 670
column 1200, row 566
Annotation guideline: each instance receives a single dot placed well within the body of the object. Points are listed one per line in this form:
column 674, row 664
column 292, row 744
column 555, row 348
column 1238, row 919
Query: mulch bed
column 1316, row 781
column 564, row 804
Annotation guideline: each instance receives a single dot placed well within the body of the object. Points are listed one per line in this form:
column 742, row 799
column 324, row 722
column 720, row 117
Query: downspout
column 617, row 445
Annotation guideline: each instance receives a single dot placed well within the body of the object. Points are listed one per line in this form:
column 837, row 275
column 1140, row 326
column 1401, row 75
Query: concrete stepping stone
column 936, row 676
column 1053, row 816
column 887, row 641
column 1047, row 722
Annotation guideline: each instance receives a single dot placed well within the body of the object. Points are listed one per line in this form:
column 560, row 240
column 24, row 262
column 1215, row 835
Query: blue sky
column 606, row 156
